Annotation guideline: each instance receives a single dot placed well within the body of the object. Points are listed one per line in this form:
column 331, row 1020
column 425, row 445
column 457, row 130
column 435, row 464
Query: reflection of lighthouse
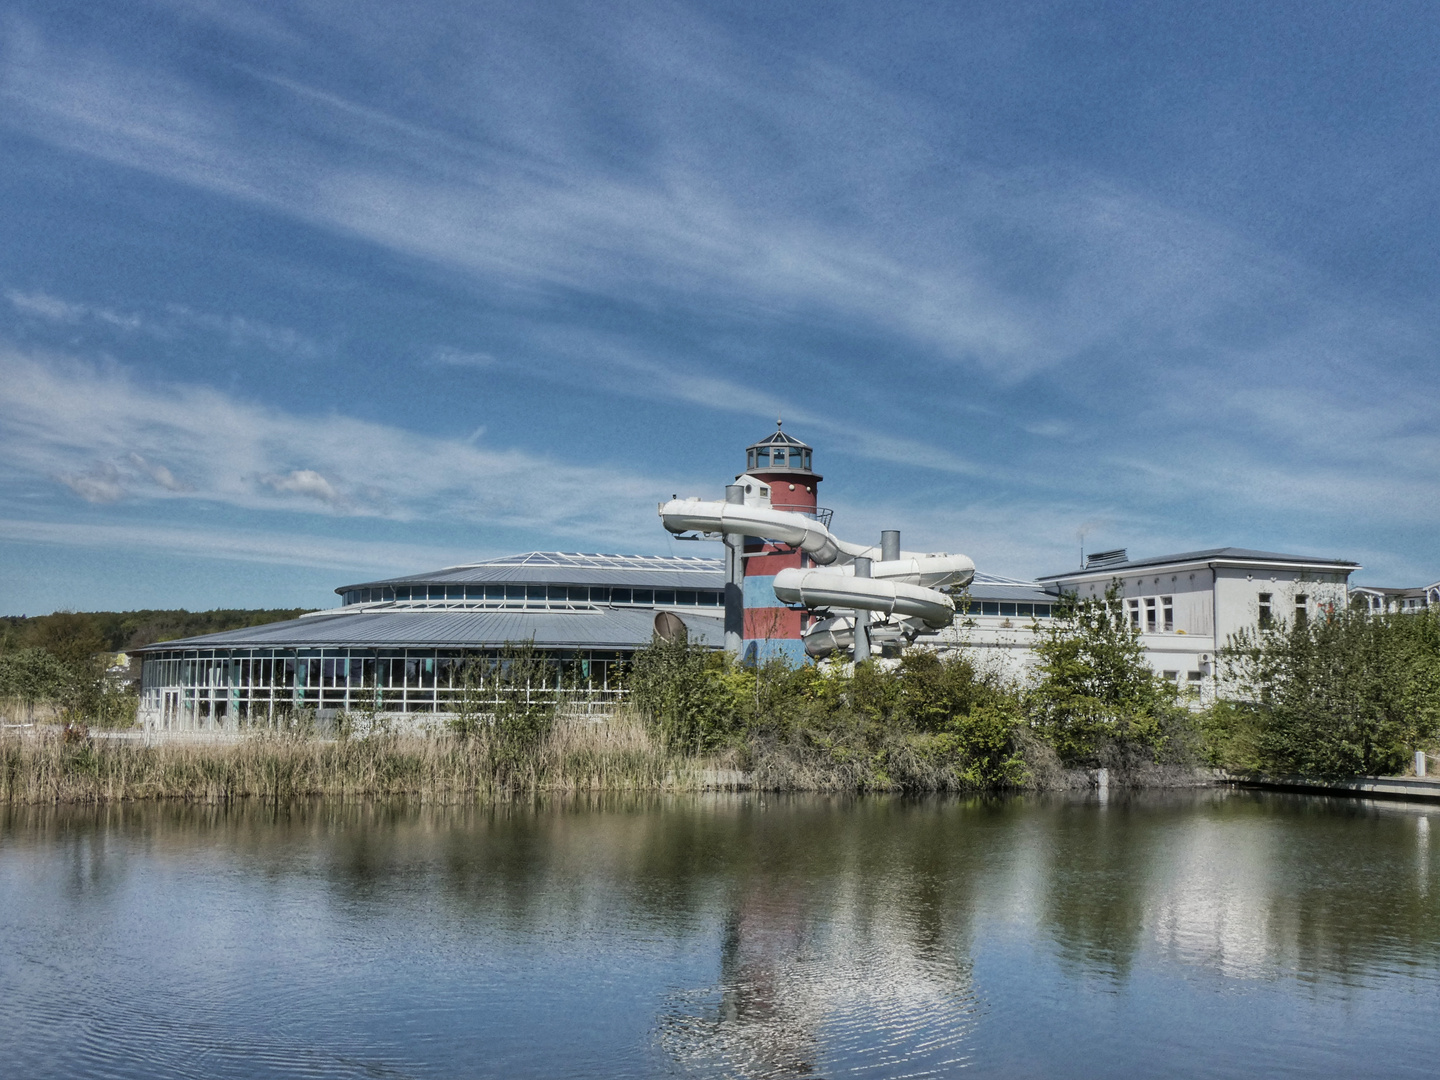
column 781, row 464
column 816, row 980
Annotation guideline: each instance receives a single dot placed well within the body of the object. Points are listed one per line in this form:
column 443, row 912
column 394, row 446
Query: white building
column 1380, row 599
column 1185, row 605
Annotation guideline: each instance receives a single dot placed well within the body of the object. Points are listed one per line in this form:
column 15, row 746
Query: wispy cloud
column 762, row 232
column 174, row 321
column 451, row 357
column 106, row 437
column 236, row 545
column 57, row 310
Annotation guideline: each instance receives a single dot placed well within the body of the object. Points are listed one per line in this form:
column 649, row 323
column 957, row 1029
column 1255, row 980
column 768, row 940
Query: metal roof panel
column 602, row 628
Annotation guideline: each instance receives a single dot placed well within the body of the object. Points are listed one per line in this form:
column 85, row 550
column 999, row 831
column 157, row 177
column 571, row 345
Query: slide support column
column 734, row 579
column 862, row 617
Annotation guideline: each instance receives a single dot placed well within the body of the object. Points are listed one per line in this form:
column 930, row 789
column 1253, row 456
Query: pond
column 1196, row 934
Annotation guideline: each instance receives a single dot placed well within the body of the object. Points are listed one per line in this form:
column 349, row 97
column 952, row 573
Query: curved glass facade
column 234, row 688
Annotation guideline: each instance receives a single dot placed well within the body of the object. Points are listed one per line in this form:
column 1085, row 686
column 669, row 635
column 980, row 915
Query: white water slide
column 905, row 589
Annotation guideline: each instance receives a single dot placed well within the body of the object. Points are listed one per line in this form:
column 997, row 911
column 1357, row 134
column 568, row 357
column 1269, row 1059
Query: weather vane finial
column 778, row 422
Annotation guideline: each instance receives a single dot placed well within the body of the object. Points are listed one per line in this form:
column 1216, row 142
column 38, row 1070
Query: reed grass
column 576, row 755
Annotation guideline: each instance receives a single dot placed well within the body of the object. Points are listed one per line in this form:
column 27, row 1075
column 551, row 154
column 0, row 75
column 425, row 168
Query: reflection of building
column 813, row 982
column 399, row 645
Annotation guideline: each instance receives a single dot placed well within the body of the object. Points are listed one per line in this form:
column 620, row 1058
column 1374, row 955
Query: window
column 989, row 609
column 1167, row 613
column 664, row 596
column 1170, row 676
column 620, row 596
column 1192, row 683
column 685, row 597
column 750, row 460
column 1150, row 614
column 1265, row 616
column 1007, row 609
column 762, row 457
column 1302, row 610
column 1134, row 608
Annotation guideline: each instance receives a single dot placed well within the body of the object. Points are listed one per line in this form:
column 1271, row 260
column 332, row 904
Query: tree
column 679, row 691
column 1343, row 694
column 512, row 697
column 1094, row 685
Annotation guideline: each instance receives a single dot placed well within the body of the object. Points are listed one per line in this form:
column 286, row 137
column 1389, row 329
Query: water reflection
column 735, row 936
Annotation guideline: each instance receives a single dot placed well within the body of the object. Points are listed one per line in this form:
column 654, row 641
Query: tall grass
column 576, row 755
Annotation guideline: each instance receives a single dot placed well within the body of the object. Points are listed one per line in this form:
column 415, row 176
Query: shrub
column 1094, row 686
column 1343, row 694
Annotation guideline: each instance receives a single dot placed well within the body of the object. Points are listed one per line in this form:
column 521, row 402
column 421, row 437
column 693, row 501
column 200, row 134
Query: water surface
column 1209, row 934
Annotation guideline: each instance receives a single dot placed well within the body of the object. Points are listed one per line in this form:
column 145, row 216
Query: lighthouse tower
column 777, row 469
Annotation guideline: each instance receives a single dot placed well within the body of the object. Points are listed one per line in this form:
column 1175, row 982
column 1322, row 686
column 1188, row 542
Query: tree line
column 1344, row 694
column 61, row 660
column 1347, row 693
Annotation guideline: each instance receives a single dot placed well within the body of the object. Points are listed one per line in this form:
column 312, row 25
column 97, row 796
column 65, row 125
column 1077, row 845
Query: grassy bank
column 619, row 754
column 72, row 766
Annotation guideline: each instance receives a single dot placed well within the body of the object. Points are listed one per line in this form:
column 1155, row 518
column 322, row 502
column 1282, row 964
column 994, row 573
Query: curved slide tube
column 906, row 587
column 797, row 530
column 828, row 589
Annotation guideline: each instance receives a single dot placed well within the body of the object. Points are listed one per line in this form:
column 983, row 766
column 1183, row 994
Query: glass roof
column 779, row 438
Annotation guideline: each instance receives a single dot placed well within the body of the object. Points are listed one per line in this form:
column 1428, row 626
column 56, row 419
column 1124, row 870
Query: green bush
column 34, row 675
column 928, row 722
column 689, row 696
column 514, row 697
column 1095, row 690
column 1343, row 694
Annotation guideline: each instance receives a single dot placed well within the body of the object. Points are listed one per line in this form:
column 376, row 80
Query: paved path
column 1365, row 787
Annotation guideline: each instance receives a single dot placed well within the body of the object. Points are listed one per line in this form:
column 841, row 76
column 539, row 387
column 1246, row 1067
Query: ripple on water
column 831, row 999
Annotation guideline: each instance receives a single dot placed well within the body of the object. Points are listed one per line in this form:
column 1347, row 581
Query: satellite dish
column 669, row 626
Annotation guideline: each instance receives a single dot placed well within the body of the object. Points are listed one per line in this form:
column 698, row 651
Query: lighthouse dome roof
column 779, row 438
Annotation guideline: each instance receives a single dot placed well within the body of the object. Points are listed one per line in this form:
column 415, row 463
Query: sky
column 295, row 295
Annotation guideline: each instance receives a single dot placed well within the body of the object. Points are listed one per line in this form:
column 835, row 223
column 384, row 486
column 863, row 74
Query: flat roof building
column 1184, row 605
column 400, row 645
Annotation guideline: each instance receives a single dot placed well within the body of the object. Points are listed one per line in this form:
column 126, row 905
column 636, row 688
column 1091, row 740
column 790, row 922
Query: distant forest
column 72, row 634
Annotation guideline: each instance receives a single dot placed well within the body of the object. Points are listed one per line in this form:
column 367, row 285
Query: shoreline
column 56, row 765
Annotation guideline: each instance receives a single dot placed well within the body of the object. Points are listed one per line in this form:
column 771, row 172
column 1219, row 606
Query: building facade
column 403, row 646
column 400, row 646
column 1185, row 606
column 1380, row 600
column 782, row 465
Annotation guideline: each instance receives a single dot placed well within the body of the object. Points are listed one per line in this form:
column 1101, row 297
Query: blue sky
column 304, row 293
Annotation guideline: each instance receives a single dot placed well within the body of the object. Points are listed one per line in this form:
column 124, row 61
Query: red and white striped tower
column 781, row 463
